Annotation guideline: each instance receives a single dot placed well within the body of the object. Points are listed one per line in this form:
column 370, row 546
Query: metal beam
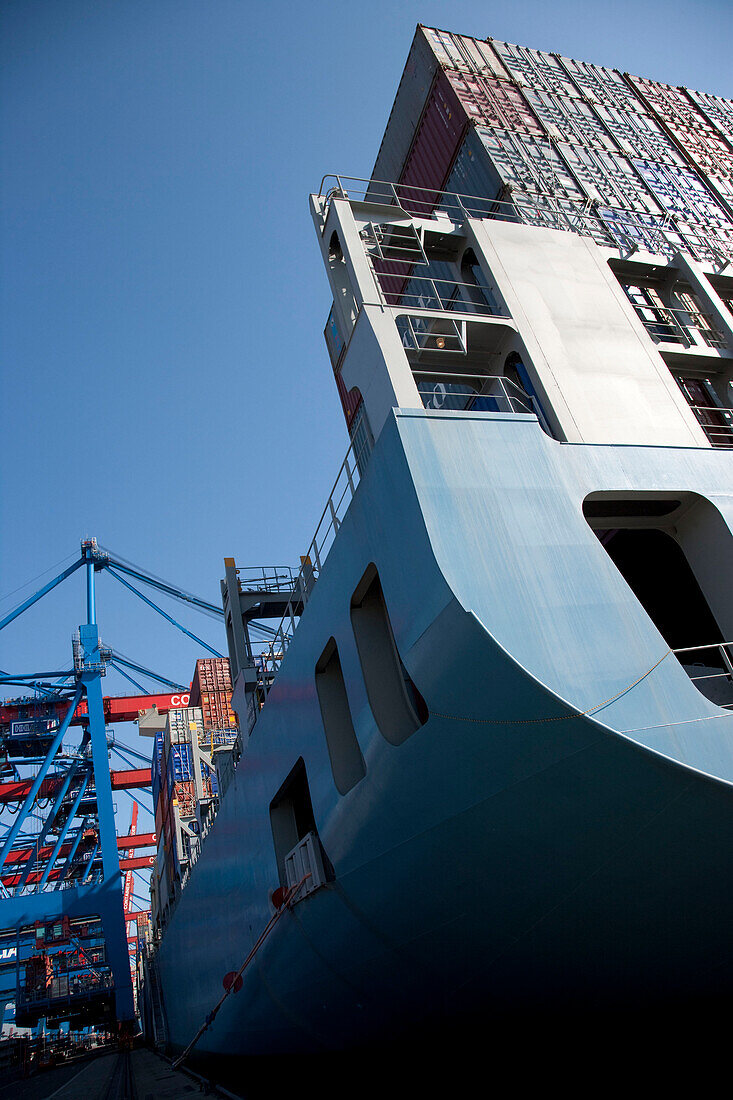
column 40, row 593
column 177, row 593
column 165, row 615
column 36, row 785
column 62, row 835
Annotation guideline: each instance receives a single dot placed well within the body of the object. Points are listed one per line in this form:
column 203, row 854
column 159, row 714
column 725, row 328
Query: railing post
column 334, row 517
column 348, row 470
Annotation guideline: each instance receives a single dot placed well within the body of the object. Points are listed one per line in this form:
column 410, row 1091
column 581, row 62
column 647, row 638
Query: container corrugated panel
column 691, row 129
column 570, row 120
column 709, row 152
column 216, row 710
column 649, row 232
column 414, row 88
column 184, row 793
column 609, row 179
column 180, row 765
column 213, row 674
column 668, row 103
column 602, row 86
column 472, row 175
column 536, row 69
column 435, row 145
column 464, row 54
column 724, row 186
column 208, row 775
column 183, row 724
column 718, row 110
column 706, row 242
column 525, row 172
column 210, row 674
column 682, row 193
column 491, row 102
column 639, row 135
column 529, row 164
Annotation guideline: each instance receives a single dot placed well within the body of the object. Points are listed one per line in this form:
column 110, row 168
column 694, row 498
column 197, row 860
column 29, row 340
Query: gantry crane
column 63, row 912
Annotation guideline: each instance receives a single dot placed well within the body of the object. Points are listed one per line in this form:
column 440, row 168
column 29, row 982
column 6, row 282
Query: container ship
column 484, row 761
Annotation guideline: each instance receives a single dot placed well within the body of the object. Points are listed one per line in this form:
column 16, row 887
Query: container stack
column 211, row 689
column 189, row 755
column 561, row 143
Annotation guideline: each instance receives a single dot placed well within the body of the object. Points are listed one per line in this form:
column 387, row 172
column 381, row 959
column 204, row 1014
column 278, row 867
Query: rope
column 287, row 902
column 556, row 718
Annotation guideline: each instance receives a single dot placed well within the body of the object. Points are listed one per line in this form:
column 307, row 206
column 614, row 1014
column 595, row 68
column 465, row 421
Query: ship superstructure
column 486, row 759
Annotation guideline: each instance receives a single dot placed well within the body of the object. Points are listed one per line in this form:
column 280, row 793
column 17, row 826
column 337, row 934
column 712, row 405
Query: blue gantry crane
column 63, row 937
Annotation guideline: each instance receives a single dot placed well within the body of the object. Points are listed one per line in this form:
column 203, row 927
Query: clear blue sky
column 165, row 385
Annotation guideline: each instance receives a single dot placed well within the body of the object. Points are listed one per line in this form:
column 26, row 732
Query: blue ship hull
column 557, row 833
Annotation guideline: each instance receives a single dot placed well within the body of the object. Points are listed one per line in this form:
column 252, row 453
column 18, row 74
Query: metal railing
column 626, row 230
column 424, row 292
column 479, row 393
column 76, row 984
column 680, row 326
column 717, row 424
column 332, row 516
column 717, row 656
column 267, row 578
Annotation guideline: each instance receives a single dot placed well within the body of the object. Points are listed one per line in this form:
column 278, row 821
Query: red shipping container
column 212, row 674
column 433, row 149
column 216, row 710
column 185, row 794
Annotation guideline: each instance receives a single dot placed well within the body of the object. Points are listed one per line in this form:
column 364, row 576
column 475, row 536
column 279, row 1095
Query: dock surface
column 135, row 1075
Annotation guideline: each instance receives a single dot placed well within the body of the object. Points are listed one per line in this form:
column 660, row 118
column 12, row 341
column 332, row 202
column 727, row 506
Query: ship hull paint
column 533, row 856
column 524, row 901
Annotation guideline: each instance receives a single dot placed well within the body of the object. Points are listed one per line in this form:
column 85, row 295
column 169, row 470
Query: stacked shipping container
column 562, row 143
column 211, row 689
column 184, row 770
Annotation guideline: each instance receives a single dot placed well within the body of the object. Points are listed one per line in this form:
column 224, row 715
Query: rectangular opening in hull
column 675, row 552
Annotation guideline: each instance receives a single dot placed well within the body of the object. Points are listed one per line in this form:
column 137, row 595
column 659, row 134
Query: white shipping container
column 536, row 69
column 609, row 179
column 639, row 135
column 524, row 163
column 719, row 111
column 603, row 86
column 183, row 725
column 464, row 54
column 682, row 193
column 570, row 120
